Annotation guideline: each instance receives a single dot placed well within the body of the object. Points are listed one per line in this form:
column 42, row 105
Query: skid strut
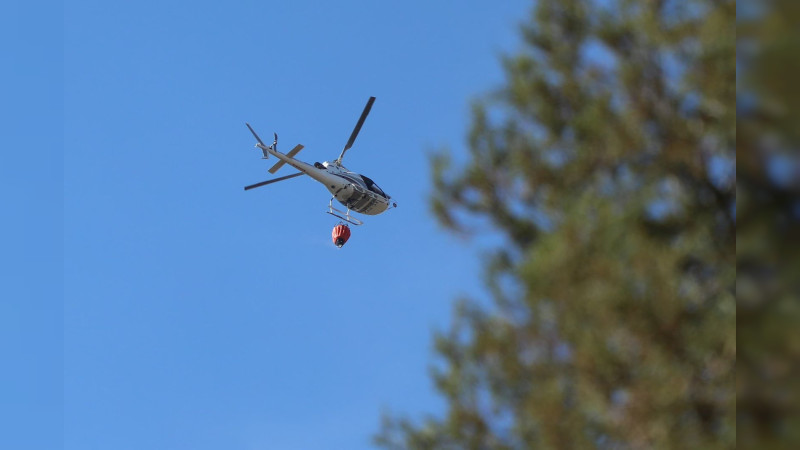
column 342, row 215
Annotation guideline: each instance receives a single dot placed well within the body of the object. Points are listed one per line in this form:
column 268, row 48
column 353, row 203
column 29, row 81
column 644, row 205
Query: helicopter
column 355, row 191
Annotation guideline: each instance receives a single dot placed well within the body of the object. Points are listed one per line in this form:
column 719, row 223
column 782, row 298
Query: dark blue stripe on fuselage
column 359, row 183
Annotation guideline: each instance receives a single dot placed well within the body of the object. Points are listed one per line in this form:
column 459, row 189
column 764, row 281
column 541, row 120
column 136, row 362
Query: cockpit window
column 372, row 186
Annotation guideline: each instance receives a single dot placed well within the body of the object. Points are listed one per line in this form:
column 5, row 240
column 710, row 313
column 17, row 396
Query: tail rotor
column 260, row 143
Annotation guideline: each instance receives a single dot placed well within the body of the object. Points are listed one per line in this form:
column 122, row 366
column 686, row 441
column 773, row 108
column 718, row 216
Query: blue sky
column 157, row 305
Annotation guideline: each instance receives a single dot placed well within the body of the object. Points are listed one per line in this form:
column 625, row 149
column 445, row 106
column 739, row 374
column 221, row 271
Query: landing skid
column 343, row 215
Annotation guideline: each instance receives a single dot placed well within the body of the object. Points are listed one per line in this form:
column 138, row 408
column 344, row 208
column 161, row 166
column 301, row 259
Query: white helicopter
column 355, row 191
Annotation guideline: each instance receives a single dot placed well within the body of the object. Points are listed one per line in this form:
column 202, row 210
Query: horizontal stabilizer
column 274, row 180
column 280, row 163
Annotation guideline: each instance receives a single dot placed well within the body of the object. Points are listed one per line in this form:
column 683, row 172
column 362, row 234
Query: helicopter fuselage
column 355, row 191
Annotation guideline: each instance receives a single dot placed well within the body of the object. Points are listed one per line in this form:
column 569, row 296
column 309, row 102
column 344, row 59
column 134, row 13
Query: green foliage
column 768, row 235
column 605, row 168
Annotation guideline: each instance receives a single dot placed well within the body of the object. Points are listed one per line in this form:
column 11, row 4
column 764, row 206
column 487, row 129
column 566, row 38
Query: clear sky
column 158, row 305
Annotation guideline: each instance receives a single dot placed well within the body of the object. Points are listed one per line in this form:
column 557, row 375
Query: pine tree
column 604, row 167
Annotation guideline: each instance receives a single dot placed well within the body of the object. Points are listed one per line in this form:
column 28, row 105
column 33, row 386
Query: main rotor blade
column 274, row 180
column 358, row 126
column 254, row 134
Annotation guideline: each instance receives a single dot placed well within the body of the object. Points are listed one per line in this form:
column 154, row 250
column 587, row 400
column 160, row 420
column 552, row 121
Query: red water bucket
column 340, row 234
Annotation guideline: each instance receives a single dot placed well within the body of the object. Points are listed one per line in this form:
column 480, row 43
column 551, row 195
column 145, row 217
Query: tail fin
column 260, row 144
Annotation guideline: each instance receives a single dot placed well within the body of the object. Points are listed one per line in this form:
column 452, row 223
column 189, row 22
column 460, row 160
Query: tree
column 605, row 168
column 768, row 225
